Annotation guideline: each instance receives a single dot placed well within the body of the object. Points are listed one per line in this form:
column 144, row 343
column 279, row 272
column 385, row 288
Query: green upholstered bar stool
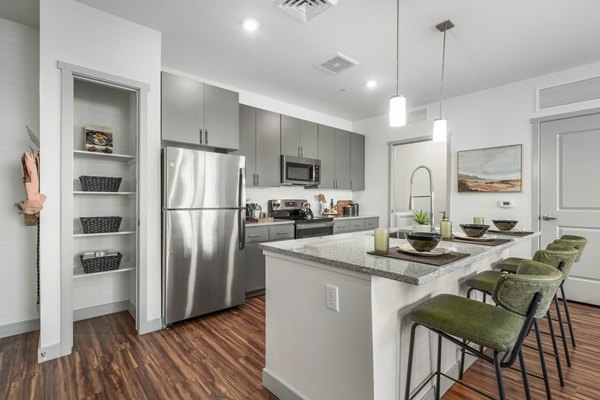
column 558, row 256
column 521, row 298
column 578, row 242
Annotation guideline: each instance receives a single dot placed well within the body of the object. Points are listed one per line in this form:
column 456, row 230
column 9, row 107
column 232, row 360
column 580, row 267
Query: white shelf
column 78, row 271
column 108, row 156
column 78, row 192
column 81, row 234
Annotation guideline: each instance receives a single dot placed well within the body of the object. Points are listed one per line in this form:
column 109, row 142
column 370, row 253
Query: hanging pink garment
column 35, row 200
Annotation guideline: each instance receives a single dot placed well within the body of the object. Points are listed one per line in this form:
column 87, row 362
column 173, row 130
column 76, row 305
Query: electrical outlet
column 331, row 297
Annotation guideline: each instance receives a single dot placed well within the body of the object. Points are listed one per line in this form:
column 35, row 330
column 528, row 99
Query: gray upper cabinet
column 182, row 108
column 299, row 138
column 327, row 156
column 357, row 161
column 290, row 136
column 221, row 118
column 309, row 139
column 268, row 147
column 260, row 144
column 197, row 113
column 342, row 159
column 248, row 141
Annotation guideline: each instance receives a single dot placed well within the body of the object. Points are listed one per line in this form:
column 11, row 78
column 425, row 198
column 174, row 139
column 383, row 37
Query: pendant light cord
column 443, row 63
column 397, row 47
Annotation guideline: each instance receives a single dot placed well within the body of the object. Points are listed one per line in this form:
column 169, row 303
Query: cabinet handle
column 282, row 233
column 299, row 153
column 254, row 236
column 257, row 180
column 206, row 136
column 350, row 185
column 200, row 130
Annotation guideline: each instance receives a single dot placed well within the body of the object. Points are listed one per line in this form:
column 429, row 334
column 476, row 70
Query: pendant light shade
column 397, row 111
column 398, row 102
column 440, row 130
column 440, row 125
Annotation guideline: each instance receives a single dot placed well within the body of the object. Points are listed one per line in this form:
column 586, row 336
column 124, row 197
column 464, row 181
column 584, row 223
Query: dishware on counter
column 423, row 241
column 478, row 221
column 407, row 248
column 355, row 205
column 445, row 227
column 474, row 230
column 505, row 224
column 253, row 211
column 349, row 210
column 382, row 240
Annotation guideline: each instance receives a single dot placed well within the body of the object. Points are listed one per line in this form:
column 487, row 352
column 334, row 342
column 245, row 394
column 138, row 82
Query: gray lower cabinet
column 197, row 113
column 327, row 156
column 357, row 161
column 341, row 225
column 255, row 260
column 260, row 144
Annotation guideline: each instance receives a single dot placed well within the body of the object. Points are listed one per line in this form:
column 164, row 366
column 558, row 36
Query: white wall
column 19, row 106
column 493, row 117
column 77, row 34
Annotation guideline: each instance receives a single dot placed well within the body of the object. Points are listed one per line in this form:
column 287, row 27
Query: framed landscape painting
column 493, row 169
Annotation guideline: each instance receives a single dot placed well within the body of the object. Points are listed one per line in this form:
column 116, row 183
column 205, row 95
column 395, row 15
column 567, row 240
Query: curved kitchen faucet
column 411, row 204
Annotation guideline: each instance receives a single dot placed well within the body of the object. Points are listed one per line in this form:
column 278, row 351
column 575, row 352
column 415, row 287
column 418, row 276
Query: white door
column 570, row 195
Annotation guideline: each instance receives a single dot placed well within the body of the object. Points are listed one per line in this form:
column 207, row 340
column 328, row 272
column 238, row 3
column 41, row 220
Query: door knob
column 547, row 217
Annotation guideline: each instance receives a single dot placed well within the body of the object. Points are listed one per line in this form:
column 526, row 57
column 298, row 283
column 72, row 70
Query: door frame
column 536, row 159
column 417, row 139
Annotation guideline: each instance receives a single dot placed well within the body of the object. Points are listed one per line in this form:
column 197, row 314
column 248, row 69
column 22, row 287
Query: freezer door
column 203, row 269
column 199, row 179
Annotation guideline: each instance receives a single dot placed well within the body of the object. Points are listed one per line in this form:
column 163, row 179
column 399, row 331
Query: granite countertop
column 276, row 222
column 349, row 251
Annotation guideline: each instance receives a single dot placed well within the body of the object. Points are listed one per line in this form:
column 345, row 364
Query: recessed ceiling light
column 250, row 24
column 371, row 84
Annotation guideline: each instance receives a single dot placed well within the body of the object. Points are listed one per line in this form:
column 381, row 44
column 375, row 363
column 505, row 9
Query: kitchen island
column 359, row 351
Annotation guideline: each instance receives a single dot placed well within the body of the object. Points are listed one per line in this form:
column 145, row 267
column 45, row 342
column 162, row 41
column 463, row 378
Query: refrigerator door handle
column 242, row 214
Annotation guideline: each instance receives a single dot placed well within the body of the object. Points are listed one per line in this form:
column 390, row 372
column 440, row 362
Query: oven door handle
column 312, row 226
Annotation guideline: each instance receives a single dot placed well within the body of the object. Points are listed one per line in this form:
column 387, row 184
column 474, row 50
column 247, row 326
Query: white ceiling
column 26, row 12
column 494, row 42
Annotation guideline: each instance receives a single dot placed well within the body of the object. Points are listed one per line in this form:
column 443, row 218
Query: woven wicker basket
column 31, row 219
column 99, row 183
column 100, row 224
column 101, row 264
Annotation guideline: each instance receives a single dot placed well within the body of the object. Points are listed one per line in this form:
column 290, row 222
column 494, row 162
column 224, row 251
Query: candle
column 479, row 220
column 382, row 240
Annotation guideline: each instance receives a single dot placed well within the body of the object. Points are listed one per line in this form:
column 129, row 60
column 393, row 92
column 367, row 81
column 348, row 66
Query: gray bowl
column 474, row 230
column 505, row 224
column 423, row 241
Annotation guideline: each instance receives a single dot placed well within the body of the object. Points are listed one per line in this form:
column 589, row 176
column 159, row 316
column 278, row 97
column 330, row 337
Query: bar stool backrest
column 558, row 256
column 516, row 292
column 579, row 242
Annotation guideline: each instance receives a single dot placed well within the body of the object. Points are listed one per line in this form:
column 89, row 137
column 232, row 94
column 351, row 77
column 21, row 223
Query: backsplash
column 263, row 195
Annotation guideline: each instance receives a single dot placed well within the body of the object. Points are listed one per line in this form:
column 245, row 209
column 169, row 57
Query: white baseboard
column 104, row 309
column 279, row 387
column 16, row 328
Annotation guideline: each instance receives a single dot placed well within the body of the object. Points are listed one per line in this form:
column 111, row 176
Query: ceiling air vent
column 336, row 64
column 569, row 93
column 306, row 10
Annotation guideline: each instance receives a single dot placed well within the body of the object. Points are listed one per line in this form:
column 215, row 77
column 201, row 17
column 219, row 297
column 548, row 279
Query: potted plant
column 30, row 219
column 421, row 222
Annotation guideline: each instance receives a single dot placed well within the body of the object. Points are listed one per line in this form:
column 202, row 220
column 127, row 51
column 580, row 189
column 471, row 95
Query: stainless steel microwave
column 300, row 171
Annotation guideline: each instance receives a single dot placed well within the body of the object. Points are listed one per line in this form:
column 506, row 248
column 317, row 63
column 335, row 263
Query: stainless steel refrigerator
column 203, row 219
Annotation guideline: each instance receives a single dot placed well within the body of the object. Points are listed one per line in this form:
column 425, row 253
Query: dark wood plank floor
column 221, row 357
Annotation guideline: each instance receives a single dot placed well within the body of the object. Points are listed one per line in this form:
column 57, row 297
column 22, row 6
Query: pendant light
column 440, row 125
column 398, row 102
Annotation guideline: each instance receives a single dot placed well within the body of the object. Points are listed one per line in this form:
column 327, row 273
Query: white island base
column 361, row 351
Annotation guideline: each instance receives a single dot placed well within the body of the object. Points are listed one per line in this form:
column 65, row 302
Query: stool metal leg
column 562, row 331
column 498, row 367
column 542, row 360
column 410, row 361
column 524, row 375
column 567, row 315
column 461, row 372
column 438, row 378
column 555, row 348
